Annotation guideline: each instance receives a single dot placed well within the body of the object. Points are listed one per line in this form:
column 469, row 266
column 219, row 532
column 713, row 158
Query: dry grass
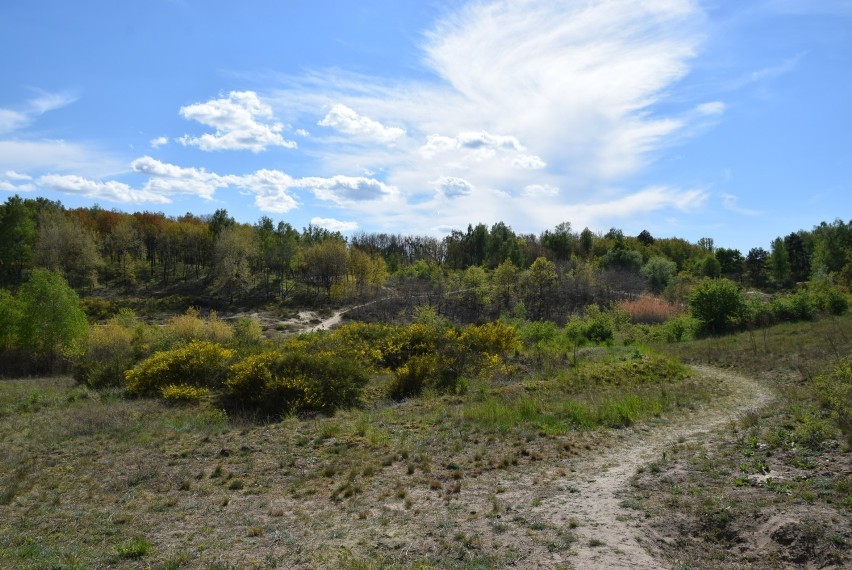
column 90, row 480
column 776, row 489
column 650, row 310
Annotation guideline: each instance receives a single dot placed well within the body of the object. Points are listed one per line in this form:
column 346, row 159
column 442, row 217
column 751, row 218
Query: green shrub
column 424, row 371
column 104, row 356
column 835, row 392
column 800, row 306
column 599, row 327
column 283, row 381
column 200, row 363
column 717, row 304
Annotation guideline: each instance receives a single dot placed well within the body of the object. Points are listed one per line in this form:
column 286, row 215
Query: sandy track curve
column 593, row 497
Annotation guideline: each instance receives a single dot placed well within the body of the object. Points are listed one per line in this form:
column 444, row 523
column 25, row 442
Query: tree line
column 491, row 268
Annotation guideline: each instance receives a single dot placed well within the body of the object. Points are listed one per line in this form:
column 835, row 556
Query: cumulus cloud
column 271, row 189
column 111, row 190
column 334, row 225
column 347, row 121
column 240, row 123
column 452, row 187
column 159, row 141
column 345, row 190
column 12, row 175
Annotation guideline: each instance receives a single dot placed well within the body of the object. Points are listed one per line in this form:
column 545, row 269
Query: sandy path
column 592, row 496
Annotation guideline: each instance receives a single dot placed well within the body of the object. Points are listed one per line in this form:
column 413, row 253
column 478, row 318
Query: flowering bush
column 184, row 394
column 199, row 363
column 284, row 381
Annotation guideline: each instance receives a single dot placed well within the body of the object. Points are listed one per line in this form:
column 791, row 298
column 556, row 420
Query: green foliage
column 717, row 304
column 200, row 363
column 835, row 392
column 105, row 354
column 659, row 272
column 283, row 381
column 599, row 326
column 800, row 306
column 51, row 317
column 10, row 317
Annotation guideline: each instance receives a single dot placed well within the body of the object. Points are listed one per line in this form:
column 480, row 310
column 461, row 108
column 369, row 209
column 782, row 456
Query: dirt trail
column 608, row 535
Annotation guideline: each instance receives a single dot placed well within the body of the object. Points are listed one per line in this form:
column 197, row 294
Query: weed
column 133, row 549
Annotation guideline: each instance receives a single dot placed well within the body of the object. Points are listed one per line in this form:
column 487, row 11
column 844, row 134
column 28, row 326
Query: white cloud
column 271, row 190
column 345, row 190
column 334, row 225
column 111, row 190
column 347, row 121
column 168, row 179
column 540, row 191
column 239, row 123
column 159, row 141
column 302, row 133
column 452, row 187
column 529, row 162
column 12, row 175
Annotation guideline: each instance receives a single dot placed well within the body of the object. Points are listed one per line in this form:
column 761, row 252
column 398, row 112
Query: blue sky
column 726, row 119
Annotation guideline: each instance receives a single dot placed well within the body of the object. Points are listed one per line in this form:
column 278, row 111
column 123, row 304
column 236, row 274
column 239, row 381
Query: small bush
column 598, row 325
column 421, row 372
column 835, row 392
column 717, row 304
column 104, row 356
column 200, row 363
column 800, row 306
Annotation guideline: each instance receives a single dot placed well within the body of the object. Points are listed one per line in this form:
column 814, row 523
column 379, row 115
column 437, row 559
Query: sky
column 717, row 118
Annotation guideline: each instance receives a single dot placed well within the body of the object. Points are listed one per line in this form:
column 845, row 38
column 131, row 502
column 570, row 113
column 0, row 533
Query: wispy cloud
column 533, row 94
column 159, row 141
column 21, row 117
column 239, row 123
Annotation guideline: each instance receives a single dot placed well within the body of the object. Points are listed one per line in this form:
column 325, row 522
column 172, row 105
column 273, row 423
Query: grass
column 412, row 484
column 781, row 472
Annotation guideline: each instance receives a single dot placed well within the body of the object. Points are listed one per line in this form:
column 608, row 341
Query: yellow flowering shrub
column 199, row 363
column 184, row 393
column 281, row 381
